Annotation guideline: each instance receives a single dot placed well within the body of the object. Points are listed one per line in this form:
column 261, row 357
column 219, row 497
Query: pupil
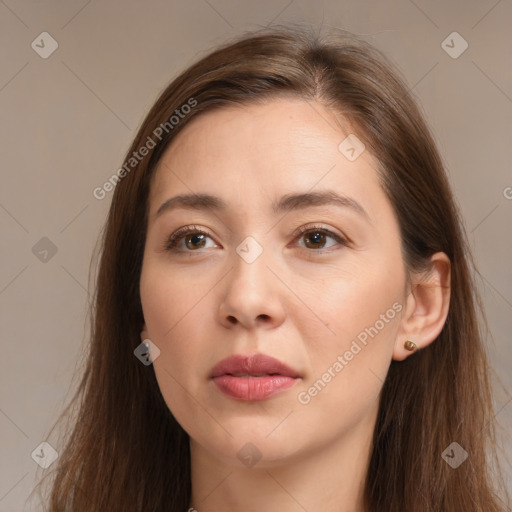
column 316, row 237
column 196, row 239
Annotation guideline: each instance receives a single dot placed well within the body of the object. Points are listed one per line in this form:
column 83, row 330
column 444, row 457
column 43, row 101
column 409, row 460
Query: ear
column 426, row 307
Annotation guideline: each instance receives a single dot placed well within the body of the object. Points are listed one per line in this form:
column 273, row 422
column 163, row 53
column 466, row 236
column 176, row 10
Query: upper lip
column 253, row 365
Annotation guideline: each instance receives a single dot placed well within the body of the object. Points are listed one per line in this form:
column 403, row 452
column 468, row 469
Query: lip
column 252, row 377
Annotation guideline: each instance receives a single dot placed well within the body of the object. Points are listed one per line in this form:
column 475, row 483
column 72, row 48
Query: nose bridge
column 254, row 251
column 250, row 260
column 252, row 223
column 251, row 291
column 250, row 250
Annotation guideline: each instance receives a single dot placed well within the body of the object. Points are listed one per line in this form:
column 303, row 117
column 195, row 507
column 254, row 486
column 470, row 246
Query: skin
column 299, row 306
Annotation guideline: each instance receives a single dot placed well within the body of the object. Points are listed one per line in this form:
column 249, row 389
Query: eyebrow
column 286, row 203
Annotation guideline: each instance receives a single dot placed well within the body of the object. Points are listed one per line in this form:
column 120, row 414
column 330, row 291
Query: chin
column 261, row 445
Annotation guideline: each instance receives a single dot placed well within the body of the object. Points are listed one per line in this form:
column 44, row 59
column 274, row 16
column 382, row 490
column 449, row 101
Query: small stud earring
column 410, row 345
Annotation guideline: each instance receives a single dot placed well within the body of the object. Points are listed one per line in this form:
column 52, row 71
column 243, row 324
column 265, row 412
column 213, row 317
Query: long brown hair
column 127, row 452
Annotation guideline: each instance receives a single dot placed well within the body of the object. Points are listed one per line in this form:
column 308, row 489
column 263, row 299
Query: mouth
column 252, row 377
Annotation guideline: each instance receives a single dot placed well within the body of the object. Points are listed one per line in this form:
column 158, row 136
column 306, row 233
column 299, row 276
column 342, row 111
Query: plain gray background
column 68, row 119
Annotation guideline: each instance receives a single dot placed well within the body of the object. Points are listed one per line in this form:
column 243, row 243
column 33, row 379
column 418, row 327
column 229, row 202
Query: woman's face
column 325, row 302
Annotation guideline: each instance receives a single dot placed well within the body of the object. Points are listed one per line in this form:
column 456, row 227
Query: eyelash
column 172, row 241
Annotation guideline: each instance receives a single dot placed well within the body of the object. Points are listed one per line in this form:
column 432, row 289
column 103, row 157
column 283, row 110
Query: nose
column 252, row 296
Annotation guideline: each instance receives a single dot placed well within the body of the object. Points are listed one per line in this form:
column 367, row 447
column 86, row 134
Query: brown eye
column 315, row 240
column 195, row 241
column 187, row 239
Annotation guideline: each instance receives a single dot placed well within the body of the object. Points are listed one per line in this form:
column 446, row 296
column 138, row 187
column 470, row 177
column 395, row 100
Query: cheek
column 346, row 303
column 348, row 369
column 172, row 306
column 350, row 354
column 167, row 298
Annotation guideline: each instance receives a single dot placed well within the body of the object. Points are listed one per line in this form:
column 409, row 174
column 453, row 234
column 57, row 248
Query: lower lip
column 251, row 389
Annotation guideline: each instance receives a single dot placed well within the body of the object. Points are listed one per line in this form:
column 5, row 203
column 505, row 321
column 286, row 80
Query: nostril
column 232, row 319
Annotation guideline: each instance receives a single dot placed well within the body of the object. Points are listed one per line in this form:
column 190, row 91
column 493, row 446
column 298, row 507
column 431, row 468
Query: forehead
column 284, row 143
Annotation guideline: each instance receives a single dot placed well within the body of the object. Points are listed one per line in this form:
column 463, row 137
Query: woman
column 285, row 317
